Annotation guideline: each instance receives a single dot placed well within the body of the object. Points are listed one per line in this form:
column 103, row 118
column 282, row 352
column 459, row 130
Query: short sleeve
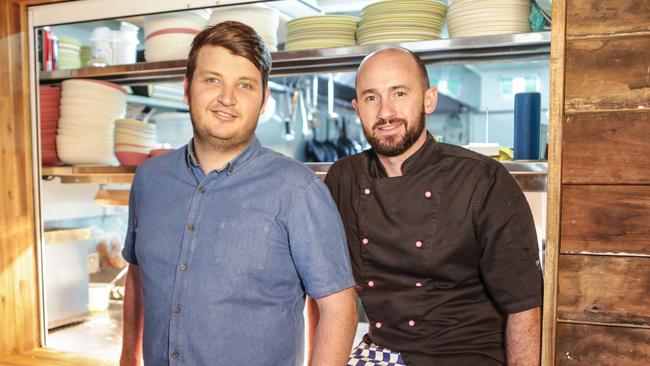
column 317, row 242
column 128, row 252
column 506, row 233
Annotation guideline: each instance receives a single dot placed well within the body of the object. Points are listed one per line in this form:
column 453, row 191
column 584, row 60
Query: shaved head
column 393, row 51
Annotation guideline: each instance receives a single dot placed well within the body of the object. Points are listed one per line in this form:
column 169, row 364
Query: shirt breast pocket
column 243, row 246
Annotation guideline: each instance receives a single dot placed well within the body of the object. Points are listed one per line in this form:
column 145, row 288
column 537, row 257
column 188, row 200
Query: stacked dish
column 69, row 53
column 393, row 21
column 49, row 113
column 468, row 18
column 133, row 141
column 169, row 36
column 264, row 20
column 321, row 31
column 89, row 109
column 173, row 129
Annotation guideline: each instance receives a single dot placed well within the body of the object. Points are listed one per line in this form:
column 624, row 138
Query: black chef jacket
column 440, row 254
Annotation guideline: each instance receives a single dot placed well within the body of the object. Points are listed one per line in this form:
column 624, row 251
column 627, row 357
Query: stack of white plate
column 401, row 21
column 133, row 141
column 69, row 50
column 173, row 129
column 88, row 112
column 467, row 18
column 169, row 36
column 264, row 20
column 321, row 31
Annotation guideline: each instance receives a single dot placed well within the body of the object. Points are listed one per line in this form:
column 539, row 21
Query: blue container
column 527, row 126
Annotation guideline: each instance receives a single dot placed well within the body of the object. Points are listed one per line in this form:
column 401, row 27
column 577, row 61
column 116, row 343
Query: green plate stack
column 69, row 51
column 394, row 21
column 321, row 31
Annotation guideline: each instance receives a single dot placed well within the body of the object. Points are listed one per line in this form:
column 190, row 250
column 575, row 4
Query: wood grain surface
column 594, row 345
column 606, row 220
column 600, row 17
column 608, row 74
column 607, row 148
column 603, row 289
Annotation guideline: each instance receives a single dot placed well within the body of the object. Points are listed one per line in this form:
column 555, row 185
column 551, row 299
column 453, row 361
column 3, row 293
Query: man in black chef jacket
column 442, row 240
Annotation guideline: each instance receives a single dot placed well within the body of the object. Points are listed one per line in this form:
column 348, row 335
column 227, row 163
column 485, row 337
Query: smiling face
column 226, row 97
column 393, row 102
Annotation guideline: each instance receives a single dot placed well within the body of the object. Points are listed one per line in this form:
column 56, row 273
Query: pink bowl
column 131, row 158
column 158, row 152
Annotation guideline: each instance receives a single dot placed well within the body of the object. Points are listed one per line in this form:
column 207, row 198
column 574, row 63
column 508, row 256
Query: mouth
column 223, row 115
column 389, row 128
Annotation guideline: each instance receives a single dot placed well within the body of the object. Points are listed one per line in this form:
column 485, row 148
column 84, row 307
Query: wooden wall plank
column 603, row 289
column 556, row 116
column 606, row 219
column 606, row 148
column 18, row 274
column 594, row 17
column 592, row 345
column 608, row 74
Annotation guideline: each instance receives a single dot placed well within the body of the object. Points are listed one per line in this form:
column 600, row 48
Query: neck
column 393, row 164
column 212, row 157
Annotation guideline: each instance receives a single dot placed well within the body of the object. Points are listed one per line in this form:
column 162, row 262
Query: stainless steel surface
column 531, row 175
column 522, row 46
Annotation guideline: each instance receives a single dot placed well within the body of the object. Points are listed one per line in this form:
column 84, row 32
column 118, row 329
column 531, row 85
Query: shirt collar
column 411, row 164
column 232, row 166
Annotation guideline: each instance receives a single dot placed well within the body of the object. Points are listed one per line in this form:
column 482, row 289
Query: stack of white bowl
column 169, row 36
column 173, row 129
column 467, row 18
column 69, row 51
column 401, row 21
column 263, row 19
column 133, row 141
column 321, row 31
column 88, row 112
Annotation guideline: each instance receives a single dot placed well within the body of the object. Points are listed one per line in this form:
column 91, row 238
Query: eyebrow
column 215, row 73
column 392, row 88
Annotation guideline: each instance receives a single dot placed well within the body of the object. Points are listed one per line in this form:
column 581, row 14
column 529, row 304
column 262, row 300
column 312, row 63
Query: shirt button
column 427, row 194
column 190, row 227
column 418, row 284
column 366, row 191
column 174, row 354
column 411, row 323
column 371, row 283
column 378, row 325
column 418, row 244
column 177, row 310
column 182, row 267
column 202, row 189
column 364, row 241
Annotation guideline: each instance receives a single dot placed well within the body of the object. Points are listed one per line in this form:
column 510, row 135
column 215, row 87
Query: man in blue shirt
column 226, row 237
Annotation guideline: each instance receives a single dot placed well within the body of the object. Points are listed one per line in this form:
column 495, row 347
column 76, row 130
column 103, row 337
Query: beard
column 395, row 145
column 240, row 138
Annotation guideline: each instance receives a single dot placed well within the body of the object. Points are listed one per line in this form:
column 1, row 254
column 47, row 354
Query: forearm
column 335, row 330
column 523, row 338
column 133, row 319
column 313, row 317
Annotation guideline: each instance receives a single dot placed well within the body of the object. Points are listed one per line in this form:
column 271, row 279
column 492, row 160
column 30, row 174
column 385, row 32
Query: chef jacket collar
column 411, row 164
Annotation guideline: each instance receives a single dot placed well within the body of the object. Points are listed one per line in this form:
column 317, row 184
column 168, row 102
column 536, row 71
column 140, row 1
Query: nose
column 386, row 109
column 226, row 96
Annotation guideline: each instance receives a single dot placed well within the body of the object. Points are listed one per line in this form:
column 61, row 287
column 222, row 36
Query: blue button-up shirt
column 226, row 258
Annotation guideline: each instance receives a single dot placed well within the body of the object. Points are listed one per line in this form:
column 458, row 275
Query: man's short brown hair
column 240, row 40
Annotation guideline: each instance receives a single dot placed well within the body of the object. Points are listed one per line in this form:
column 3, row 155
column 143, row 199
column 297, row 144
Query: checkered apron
column 370, row 354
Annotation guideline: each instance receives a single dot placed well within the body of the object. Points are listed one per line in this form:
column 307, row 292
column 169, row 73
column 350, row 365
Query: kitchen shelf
column 531, row 175
column 90, row 174
column 521, row 46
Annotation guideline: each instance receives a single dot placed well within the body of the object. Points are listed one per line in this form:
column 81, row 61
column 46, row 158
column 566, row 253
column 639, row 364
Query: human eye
column 246, row 85
column 212, row 80
column 400, row 93
column 370, row 98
